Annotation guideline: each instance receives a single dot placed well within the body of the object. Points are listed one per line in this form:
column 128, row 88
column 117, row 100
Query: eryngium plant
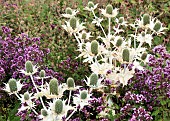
column 113, row 47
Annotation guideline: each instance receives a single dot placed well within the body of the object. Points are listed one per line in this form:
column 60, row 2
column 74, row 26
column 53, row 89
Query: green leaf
column 157, row 40
column 169, row 26
column 163, row 102
column 12, row 116
column 16, row 119
column 2, row 119
column 155, row 113
column 133, row 1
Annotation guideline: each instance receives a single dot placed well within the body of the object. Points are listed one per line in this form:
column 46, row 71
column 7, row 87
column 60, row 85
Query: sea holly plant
column 110, row 57
column 57, row 107
column 111, row 54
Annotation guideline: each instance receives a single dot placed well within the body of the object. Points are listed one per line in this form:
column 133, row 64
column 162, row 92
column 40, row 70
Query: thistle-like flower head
column 73, row 26
column 126, row 55
column 29, row 69
column 94, row 81
column 13, row 86
column 90, row 6
column 52, row 90
column 94, row 47
column 42, row 75
column 157, row 27
column 109, row 11
column 84, row 35
column 70, row 13
column 82, row 98
column 59, row 109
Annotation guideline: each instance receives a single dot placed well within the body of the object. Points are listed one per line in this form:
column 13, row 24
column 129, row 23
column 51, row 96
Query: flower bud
column 121, row 19
column 157, row 26
column 126, row 55
column 42, row 74
column 144, row 55
column 26, row 96
column 109, row 9
column 143, row 34
column 83, row 95
column 53, row 86
column 84, row 36
column 90, row 4
column 69, row 11
column 44, row 112
column 29, row 67
column 119, row 42
column 93, row 79
column 73, row 22
column 94, row 47
column 59, row 106
column 146, row 19
column 70, row 82
column 12, row 85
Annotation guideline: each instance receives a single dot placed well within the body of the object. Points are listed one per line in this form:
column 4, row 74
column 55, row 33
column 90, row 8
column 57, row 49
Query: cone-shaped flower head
column 69, row 11
column 144, row 55
column 109, row 9
column 53, row 86
column 59, row 106
column 42, row 74
column 126, row 55
column 146, row 19
column 26, row 96
column 83, row 95
column 29, row 67
column 119, row 42
column 82, row 99
column 84, row 36
column 70, row 82
column 44, row 112
column 157, row 26
column 93, row 79
column 12, row 85
column 73, row 22
column 143, row 34
column 121, row 19
column 90, row 4
column 94, row 47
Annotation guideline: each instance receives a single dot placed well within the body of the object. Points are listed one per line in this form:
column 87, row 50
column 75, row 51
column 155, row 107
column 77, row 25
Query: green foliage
column 158, row 40
column 12, row 113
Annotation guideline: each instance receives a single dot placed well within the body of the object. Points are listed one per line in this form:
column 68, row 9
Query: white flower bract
column 114, row 13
